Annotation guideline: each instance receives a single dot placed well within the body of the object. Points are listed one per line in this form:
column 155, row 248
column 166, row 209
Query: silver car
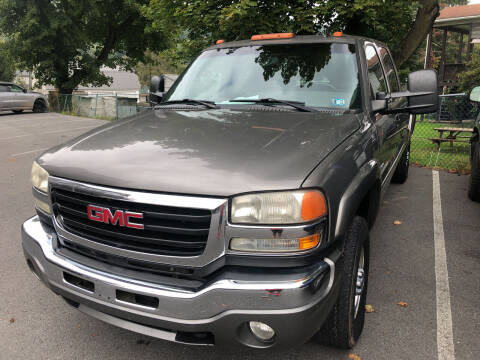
column 15, row 98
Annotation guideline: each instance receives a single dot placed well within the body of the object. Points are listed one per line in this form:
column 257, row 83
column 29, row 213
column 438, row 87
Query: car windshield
column 319, row 75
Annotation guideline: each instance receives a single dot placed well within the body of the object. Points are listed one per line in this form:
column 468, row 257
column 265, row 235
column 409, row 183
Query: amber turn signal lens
column 313, row 205
column 308, row 242
column 221, row 41
column 338, row 34
column 272, row 36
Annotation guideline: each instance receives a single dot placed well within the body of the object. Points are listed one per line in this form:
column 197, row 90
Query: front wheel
column 345, row 323
column 474, row 182
column 39, row 107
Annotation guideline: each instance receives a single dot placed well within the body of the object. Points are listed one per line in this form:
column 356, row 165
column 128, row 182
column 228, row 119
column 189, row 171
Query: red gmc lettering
column 130, row 224
column 113, row 219
column 119, row 217
column 95, row 213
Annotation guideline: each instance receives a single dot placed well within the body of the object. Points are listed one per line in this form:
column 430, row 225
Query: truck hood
column 218, row 152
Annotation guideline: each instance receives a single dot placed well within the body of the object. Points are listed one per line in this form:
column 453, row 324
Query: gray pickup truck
column 236, row 210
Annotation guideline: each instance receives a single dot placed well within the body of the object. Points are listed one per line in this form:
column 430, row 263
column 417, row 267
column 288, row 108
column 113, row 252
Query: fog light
column 262, row 331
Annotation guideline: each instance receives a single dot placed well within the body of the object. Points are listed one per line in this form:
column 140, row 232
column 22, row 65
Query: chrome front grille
column 168, row 230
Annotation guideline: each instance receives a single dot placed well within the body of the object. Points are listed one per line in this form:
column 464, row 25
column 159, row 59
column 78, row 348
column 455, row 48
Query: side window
column 15, row 88
column 390, row 70
column 375, row 72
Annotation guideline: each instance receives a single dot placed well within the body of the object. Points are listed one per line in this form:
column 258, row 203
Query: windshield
column 319, row 75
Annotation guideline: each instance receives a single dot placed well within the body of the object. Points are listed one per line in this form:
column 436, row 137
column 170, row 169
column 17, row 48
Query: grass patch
column 424, row 152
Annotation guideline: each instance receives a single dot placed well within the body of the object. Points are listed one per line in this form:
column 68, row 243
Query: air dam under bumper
column 217, row 314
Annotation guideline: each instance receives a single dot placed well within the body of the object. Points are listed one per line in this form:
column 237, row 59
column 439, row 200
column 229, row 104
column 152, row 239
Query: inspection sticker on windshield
column 338, row 102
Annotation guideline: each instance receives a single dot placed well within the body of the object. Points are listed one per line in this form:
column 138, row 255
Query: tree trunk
column 65, row 99
column 426, row 15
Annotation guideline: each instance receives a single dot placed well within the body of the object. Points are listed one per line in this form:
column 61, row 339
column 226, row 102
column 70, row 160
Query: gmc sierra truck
column 237, row 209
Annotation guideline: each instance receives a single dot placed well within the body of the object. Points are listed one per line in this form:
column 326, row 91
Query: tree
column 7, row 67
column 67, row 42
column 402, row 24
column 470, row 78
column 155, row 64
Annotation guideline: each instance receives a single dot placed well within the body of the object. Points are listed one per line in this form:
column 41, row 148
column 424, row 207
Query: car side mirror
column 24, row 90
column 426, row 82
column 157, row 89
column 475, row 94
column 422, row 95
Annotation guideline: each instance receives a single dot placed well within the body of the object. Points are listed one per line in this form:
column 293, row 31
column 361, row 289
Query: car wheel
column 39, row 107
column 401, row 172
column 17, row 111
column 474, row 182
column 345, row 323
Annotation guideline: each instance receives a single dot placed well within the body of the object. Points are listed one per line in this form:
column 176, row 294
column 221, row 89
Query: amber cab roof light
column 272, row 36
column 338, row 34
column 221, row 41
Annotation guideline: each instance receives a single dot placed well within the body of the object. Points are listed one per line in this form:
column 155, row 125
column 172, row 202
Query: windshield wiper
column 295, row 104
column 206, row 103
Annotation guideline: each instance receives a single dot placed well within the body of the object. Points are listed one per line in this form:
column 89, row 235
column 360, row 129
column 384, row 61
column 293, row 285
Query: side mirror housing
column 426, row 82
column 157, row 89
column 422, row 95
column 475, row 94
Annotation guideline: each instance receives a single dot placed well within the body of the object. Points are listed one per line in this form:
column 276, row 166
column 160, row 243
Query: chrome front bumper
column 294, row 308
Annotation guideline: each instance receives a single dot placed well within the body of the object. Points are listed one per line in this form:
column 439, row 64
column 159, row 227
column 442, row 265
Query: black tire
column 401, row 172
column 474, row 183
column 17, row 111
column 343, row 327
column 39, row 107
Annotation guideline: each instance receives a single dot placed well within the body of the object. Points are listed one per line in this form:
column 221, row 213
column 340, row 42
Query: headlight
column 39, row 177
column 39, row 204
column 278, row 208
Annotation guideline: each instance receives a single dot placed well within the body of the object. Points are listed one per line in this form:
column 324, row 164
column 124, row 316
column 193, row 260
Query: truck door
column 384, row 123
column 401, row 135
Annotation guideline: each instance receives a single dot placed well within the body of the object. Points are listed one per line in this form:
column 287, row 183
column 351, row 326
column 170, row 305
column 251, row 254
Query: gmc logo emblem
column 119, row 217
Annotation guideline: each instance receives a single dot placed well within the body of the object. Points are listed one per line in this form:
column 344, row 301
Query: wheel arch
column 362, row 198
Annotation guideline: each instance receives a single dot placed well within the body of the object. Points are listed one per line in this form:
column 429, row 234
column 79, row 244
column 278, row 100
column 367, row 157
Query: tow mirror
column 423, row 81
column 422, row 95
column 157, row 89
column 475, row 94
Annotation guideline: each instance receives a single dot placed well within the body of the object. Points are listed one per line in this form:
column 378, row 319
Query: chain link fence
column 441, row 140
column 100, row 106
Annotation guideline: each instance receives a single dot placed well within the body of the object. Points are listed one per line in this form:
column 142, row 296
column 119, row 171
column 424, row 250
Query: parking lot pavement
column 35, row 324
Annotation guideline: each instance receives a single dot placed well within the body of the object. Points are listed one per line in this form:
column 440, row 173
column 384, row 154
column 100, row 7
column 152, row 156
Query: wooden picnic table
column 453, row 135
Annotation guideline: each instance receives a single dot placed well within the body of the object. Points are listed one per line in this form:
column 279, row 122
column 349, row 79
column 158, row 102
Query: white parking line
column 445, row 347
column 48, row 132
column 43, row 124
column 28, row 152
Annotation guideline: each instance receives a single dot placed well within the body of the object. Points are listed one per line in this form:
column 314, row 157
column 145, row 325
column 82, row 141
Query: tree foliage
column 67, row 42
column 7, row 67
column 470, row 78
column 201, row 22
column 155, row 64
